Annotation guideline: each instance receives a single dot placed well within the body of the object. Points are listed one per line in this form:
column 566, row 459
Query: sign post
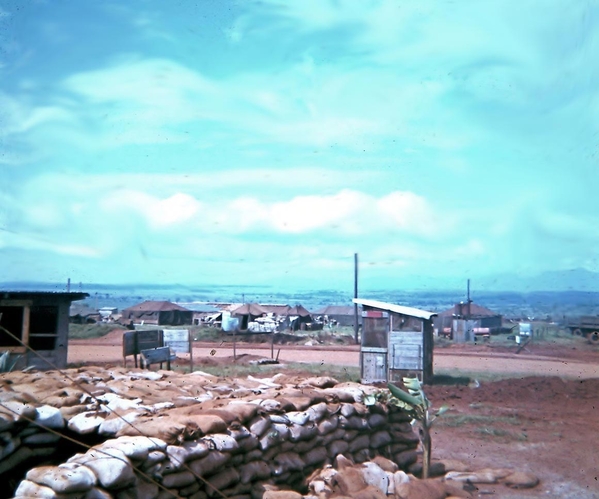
column 179, row 341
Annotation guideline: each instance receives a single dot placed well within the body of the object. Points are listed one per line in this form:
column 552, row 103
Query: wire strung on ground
column 89, row 447
column 112, row 411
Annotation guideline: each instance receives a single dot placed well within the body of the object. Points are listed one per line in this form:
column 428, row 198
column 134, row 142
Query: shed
column 396, row 341
column 40, row 322
column 477, row 317
column 161, row 313
column 340, row 314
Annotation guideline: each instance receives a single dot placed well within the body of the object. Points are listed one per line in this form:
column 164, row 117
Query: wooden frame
column 26, row 304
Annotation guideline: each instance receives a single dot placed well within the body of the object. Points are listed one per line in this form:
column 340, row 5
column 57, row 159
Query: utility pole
column 356, row 325
column 469, row 300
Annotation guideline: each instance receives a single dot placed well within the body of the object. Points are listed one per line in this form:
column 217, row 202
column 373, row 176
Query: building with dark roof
column 160, row 313
column 342, row 315
column 480, row 317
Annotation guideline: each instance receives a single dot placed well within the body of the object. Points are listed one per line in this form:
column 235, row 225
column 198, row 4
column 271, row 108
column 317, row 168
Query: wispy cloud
column 433, row 137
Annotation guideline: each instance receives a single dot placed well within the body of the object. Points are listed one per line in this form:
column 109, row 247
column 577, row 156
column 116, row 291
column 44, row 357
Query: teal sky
column 240, row 142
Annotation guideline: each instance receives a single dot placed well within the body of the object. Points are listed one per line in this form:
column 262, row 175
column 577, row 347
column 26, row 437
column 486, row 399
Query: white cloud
column 19, row 117
column 144, row 101
column 25, row 241
column 347, row 213
column 159, row 213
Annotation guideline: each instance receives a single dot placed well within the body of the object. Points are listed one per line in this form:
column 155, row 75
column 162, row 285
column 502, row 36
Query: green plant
column 6, row 363
column 415, row 402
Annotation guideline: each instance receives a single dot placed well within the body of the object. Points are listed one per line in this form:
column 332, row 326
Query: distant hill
column 556, row 280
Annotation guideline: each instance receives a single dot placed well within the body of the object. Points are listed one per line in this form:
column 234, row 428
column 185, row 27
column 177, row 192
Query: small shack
column 397, row 341
column 160, row 313
column 39, row 322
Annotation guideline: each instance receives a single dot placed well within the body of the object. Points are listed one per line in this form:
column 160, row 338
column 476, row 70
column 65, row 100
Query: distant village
column 265, row 318
column 393, row 338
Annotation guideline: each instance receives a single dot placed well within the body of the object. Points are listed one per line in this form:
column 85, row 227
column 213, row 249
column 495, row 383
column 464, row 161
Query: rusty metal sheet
column 149, row 339
column 130, row 343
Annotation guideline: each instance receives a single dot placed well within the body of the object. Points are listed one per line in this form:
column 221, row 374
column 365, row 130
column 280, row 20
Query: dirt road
column 101, row 351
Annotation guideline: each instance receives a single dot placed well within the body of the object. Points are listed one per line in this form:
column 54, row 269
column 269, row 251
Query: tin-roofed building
column 35, row 327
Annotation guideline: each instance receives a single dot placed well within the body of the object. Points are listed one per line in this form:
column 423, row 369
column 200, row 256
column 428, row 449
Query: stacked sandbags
column 22, row 435
column 376, row 479
column 197, row 436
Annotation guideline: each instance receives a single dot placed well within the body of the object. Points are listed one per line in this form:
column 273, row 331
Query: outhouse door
column 374, row 349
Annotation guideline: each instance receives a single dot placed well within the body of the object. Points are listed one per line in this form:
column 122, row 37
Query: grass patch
column 483, row 376
column 210, row 334
column 442, row 342
column 485, row 426
column 86, row 331
column 501, row 434
column 450, row 380
column 457, row 420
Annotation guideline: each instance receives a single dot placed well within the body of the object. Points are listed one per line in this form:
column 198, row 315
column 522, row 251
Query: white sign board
column 177, row 340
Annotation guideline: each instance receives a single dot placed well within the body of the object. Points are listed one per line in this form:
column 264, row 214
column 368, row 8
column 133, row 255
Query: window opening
column 43, row 327
column 11, row 318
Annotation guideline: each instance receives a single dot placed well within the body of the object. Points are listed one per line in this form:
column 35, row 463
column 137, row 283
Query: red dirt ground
column 545, row 421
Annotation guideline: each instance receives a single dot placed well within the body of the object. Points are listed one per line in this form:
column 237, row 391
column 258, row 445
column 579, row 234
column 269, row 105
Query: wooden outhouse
column 396, row 341
column 35, row 327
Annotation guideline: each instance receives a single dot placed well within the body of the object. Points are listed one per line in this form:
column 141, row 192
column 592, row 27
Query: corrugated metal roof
column 398, row 309
column 199, row 307
column 82, row 310
column 23, row 295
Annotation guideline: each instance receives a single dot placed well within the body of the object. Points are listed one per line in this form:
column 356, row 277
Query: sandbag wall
column 195, row 435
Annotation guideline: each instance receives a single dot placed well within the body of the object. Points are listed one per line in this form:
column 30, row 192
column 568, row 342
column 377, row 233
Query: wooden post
column 272, row 345
column 190, row 351
column 356, row 325
column 235, row 344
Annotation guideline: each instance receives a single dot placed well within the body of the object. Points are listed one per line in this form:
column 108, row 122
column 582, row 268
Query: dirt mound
column 115, row 337
column 536, row 424
column 531, row 390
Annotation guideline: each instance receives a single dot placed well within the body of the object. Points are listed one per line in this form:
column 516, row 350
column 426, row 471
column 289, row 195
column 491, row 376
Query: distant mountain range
column 556, row 280
column 555, row 293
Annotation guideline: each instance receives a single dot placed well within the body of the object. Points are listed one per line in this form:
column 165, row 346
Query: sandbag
column 222, row 480
column 255, row 470
column 209, row 464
